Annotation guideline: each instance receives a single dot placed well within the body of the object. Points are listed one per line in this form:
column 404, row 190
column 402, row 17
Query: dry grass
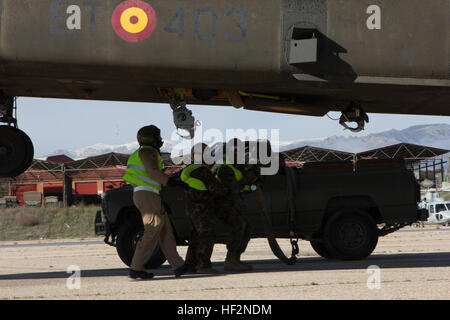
column 28, row 221
column 46, row 223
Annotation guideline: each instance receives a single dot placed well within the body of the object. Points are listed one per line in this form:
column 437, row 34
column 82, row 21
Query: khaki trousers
column 157, row 228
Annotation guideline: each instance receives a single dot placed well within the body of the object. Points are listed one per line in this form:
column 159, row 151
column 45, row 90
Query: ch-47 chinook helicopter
column 301, row 57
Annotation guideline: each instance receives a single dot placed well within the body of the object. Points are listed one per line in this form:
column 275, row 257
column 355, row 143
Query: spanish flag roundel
column 134, row 20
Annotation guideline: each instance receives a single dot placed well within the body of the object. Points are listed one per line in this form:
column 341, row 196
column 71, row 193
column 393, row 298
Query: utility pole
column 67, row 187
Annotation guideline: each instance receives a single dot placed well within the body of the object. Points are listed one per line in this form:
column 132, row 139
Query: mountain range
column 433, row 135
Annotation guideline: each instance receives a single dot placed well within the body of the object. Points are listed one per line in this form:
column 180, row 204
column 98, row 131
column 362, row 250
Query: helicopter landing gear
column 354, row 113
column 16, row 148
column 182, row 116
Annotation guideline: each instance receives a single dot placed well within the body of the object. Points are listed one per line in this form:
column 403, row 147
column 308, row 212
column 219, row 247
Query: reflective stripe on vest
column 145, row 188
column 237, row 174
column 194, row 183
column 138, row 176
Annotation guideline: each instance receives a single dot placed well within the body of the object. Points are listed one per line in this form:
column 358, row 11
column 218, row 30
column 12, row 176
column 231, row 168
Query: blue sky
column 70, row 124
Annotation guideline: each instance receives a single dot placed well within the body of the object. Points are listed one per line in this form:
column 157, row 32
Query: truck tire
column 350, row 234
column 128, row 235
column 321, row 250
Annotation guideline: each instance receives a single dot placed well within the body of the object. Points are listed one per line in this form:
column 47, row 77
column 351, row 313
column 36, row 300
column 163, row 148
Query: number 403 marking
column 176, row 24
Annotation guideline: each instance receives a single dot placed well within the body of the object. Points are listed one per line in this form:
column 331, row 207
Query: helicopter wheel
column 16, row 151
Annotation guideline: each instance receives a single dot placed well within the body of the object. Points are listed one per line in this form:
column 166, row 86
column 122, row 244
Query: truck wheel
column 321, row 250
column 127, row 237
column 350, row 235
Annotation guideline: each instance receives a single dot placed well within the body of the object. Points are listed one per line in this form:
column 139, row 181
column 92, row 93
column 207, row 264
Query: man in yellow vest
column 144, row 172
column 203, row 189
column 236, row 179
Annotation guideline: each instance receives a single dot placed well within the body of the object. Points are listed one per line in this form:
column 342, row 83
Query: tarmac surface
column 413, row 263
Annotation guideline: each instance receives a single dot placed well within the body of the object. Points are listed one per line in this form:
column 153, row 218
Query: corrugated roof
column 106, row 166
column 105, row 160
column 403, row 151
column 310, row 154
column 59, row 159
column 102, row 174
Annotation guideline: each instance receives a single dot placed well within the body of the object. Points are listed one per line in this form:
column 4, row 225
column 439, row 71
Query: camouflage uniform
column 200, row 209
column 225, row 208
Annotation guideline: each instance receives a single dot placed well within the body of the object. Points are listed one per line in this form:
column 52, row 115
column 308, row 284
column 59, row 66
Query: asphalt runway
column 405, row 265
column 87, row 242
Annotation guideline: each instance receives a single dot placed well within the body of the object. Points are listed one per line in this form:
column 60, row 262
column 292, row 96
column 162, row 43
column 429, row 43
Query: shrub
column 28, row 221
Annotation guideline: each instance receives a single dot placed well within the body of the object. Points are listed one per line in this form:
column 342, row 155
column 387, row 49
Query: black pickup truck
column 342, row 208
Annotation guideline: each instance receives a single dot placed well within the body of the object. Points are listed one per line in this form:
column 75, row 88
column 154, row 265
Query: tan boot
column 233, row 263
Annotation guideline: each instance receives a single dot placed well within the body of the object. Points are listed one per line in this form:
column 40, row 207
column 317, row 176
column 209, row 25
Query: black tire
column 350, row 234
column 16, row 151
column 127, row 237
column 321, row 250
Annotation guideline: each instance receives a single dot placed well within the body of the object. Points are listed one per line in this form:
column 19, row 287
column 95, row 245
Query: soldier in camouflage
column 236, row 178
column 203, row 189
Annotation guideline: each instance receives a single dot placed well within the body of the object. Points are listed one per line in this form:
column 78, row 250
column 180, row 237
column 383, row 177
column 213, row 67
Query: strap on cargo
column 291, row 191
column 274, row 246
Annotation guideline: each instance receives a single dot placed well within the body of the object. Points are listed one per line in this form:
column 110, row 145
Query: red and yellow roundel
column 134, row 20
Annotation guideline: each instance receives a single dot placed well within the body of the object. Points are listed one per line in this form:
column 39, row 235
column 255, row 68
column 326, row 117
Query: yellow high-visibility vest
column 194, row 183
column 138, row 176
column 237, row 174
